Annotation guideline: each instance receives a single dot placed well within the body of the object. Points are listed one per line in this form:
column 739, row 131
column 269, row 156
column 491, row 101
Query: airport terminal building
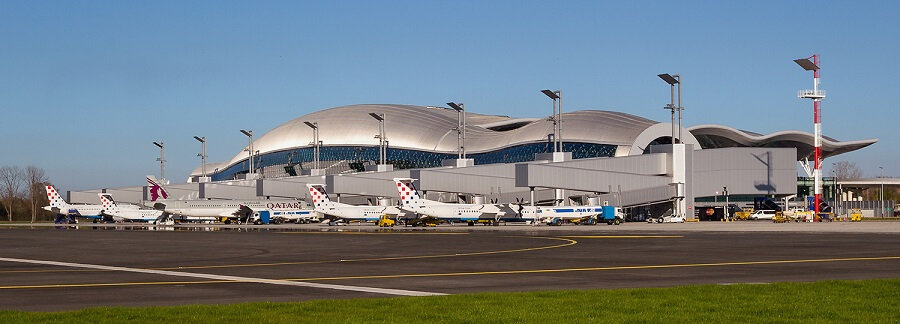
column 607, row 157
column 423, row 137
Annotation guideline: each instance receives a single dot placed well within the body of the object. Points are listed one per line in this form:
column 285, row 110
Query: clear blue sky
column 86, row 86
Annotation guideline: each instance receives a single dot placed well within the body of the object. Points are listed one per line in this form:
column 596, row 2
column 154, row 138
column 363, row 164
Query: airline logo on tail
column 109, row 205
column 156, row 190
column 318, row 194
column 408, row 193
column 54, row 198
column 105, row 200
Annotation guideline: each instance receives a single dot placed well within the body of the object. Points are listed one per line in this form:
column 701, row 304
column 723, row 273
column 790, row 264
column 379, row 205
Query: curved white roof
column 433, row 129
column 714, row 136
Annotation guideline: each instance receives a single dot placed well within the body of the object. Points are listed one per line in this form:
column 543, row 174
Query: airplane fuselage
column 226, row 208
column 362, row 213
column 457, row 212
column 540, row 213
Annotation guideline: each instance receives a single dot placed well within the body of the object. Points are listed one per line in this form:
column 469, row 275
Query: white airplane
column 557, row 215
column 61, row 207
column 411, row 200
column 118, row 214
column 227, row 211
column 325, row 206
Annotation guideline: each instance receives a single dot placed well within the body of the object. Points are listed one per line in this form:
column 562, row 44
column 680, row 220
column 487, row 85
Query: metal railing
column 811, row 93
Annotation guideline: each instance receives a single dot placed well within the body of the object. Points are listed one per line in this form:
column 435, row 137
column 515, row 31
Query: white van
column 762, row 214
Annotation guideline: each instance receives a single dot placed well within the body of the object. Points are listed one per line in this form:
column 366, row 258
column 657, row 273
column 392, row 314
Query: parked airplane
column 61, row 207
column 118, row 214
column 347, row 212
column 411, row 200
column 226, row 211
column 557, row 215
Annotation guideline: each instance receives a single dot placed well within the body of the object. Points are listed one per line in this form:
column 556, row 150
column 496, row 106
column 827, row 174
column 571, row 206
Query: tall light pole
column 816, row 95
column 672, row 80
column 460, row 128
column 316, row 142
column 202, row 154
column 382, row 151
column 250, row 147
column 882, row 191
column 162, row 160
column 557, row 117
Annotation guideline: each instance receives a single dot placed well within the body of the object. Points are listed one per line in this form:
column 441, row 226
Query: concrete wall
column 598, row 174
column 480, row 180
column 745, row 171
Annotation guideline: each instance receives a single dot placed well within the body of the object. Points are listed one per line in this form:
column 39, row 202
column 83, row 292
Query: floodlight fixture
column 557, row 117
column 161, row 159
column 551, row 94
column 460, row 128
column 806, row 64
column 316, row 142
column 456, row 106
column 249, row 147
column 202, row 154
column 671, row 80
column 382, row 141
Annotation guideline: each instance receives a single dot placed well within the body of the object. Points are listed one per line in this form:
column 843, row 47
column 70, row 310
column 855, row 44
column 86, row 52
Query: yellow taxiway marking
column 474, row 273
column 622, row 236
column 659, row 266
column 568, row 242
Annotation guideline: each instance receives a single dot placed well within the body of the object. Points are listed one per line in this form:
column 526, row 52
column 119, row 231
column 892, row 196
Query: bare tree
column 35, row 180
column 11, row 179
column 845, row 170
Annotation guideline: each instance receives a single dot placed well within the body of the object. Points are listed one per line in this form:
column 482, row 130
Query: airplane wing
column 239, row 212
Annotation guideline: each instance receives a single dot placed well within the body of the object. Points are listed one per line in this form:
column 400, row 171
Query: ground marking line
column 659, row 266
column 399, row 292
column 622, row 236
column 569, row 242
column 114, row 284
column 662, row 266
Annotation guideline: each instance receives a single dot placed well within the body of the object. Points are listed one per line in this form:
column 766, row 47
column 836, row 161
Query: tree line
column 22, row 194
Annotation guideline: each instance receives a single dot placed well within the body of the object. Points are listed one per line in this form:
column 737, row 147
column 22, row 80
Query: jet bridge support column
column 682, row 177
column 531, row 202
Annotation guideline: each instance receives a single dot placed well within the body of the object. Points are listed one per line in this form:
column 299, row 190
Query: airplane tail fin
column 109, row 205
column 156, row 189
column 55, row 199
column 318, row 194
column 408, row 194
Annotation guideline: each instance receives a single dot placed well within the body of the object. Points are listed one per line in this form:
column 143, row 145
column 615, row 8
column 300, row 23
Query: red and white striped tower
column 816, row 95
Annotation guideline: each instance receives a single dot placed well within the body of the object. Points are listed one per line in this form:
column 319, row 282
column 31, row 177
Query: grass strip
column 864, row 301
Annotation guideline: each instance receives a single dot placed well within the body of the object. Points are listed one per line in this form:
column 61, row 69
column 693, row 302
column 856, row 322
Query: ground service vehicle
column 763, row 214
column 385, row 221
column 613, row 215
column 667, row 219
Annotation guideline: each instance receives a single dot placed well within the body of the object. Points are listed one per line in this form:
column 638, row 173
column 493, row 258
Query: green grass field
column 866, row 301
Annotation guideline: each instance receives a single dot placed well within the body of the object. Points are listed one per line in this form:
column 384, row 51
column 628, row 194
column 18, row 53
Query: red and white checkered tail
column 109, row 205
column 54, row 198
column 318, row 195
column 409, row 196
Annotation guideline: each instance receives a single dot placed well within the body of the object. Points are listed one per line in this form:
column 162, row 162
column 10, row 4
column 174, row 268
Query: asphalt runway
column 61, row 268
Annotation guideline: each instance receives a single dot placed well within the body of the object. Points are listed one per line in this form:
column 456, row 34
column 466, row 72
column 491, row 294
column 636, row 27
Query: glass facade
column 341, row 159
